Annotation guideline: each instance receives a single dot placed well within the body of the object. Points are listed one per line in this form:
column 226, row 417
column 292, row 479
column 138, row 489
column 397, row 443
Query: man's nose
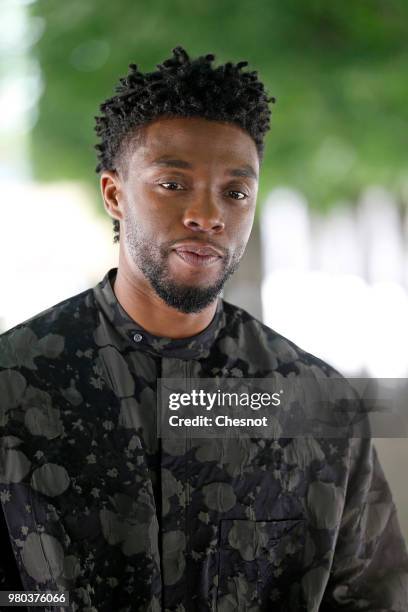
column 204, row 214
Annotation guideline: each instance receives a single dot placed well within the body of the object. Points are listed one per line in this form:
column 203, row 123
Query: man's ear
column 112, row 193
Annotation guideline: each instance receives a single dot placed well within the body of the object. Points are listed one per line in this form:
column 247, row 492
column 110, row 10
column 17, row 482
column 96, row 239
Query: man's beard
column 153, row 262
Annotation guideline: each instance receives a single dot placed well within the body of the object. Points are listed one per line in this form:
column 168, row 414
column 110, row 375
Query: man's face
column 190, row 187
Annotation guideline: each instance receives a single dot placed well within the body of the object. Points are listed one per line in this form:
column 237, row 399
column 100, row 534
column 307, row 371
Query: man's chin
column 188, row 298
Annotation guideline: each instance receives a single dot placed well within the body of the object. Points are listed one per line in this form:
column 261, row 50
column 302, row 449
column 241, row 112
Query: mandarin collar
column 193, row 347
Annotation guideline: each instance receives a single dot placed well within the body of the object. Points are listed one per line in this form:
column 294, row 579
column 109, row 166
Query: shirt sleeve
column 9, row 575
column 370, row 565
column 12, row 385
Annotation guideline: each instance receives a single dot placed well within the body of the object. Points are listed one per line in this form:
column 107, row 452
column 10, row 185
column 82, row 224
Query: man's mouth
column 198, row 255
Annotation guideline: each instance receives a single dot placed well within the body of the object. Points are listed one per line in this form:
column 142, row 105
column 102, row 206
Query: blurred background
column 327, row 262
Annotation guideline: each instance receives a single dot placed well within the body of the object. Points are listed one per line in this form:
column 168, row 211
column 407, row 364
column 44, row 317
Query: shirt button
column 137, row 337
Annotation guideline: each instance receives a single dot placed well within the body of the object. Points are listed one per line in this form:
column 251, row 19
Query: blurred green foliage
column 338, row 69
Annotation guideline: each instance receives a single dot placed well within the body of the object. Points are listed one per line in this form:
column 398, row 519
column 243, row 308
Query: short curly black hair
column 181, row 87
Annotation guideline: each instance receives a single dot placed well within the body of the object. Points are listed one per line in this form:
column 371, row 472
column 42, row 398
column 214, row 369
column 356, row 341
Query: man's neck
column 146, row 308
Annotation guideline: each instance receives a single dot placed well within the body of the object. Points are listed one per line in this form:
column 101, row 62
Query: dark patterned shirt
column 94, row 503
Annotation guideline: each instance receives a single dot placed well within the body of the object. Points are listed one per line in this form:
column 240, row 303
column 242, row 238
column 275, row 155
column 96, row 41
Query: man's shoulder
column 264, row 344
column 48, row 332
column 324, row 398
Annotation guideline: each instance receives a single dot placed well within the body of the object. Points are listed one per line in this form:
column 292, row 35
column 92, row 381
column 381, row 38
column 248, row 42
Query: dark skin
column 208, row 196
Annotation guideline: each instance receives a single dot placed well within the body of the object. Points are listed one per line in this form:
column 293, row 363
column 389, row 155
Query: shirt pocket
column 260, row 565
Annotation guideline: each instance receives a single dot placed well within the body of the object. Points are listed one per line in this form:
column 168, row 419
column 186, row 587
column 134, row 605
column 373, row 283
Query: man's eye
column 238, row 195
column 171, row 186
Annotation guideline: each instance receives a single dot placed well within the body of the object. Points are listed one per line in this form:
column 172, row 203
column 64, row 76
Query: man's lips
column 202, row 249
column 198, row 255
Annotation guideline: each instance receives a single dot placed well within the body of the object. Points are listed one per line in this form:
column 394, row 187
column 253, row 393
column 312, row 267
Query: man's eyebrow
column 244, row 171
column 168, row 162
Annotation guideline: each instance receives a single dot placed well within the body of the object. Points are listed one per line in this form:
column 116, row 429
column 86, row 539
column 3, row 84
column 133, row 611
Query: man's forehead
column 187, row 139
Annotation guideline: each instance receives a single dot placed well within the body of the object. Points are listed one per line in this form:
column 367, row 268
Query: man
column 95, row 503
